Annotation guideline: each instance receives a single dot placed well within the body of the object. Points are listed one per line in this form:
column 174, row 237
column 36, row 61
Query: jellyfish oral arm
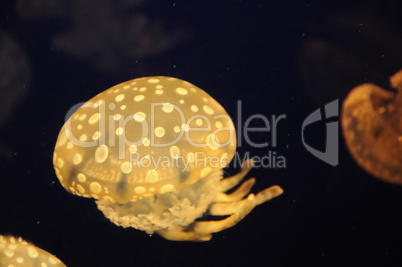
column 226, row 204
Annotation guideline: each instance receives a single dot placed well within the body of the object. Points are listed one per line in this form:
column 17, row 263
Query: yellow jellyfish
column 151, row 152
column 17, row 252
column 372, row 127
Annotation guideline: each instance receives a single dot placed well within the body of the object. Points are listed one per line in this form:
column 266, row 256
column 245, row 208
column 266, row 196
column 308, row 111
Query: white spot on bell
column 166, row 188
column 208, row 109
column 139, row 190
column 101, row 153
column 94, row 118
column 139, row 116
column 119, row 131
column 81, row 177
column 81, row 189
column 32, row 252
column 153, row 80
column 60, row 163
column 95, row 136
column 95, row 188
column 126, row 167
column 194, row 108
column 139, row 97
column 185, row 127
column 119, row 98
column 77, row 159
column 146, row 141
column 167, row 107
column 181, row 91
column 159, row 131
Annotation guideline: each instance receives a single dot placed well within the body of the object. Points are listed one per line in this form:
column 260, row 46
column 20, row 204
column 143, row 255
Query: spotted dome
column 18, row 252
column 143, row 137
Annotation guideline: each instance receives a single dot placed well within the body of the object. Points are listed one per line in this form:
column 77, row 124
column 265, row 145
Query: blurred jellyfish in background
column 372, row 127
column 14, row 83
column 334, row 55
column 105, row 34
column 42, row 9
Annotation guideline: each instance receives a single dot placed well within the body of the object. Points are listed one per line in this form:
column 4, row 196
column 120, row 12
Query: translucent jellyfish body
column 151, row 152
column 17, row 252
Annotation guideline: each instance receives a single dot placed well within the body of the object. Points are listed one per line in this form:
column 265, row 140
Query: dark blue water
column 277, row 58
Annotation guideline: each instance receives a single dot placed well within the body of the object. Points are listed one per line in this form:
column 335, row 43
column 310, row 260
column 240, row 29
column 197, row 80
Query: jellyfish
column 151, row 152
column 18, row 252
column 372, row 127
column 122, row 26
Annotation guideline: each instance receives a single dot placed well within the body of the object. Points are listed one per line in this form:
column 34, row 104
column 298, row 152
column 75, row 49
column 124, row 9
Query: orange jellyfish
column 151, row 151
column 372, row 127
column 18, row 252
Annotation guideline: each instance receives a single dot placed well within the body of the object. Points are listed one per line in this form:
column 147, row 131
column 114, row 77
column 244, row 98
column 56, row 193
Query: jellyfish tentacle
column 227, row 208
column 268, row 194
column 181, row 235
column 230, row 182
column 203, row 230
column 217, row 226
column 240, row 193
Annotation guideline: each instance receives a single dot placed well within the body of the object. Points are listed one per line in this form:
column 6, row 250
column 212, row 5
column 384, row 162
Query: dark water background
column 287, row 57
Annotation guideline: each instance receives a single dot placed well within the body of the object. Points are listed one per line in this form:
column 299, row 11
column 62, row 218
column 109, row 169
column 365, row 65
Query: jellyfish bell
column 17, row 252
column 372, row 128
column 151, row 152
column 122, row 135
